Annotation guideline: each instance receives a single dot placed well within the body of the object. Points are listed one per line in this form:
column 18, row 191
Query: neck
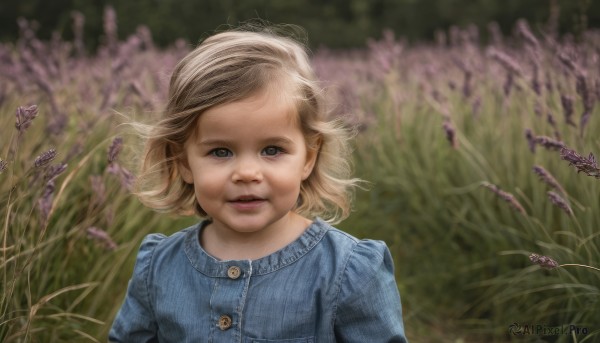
column 225, row 244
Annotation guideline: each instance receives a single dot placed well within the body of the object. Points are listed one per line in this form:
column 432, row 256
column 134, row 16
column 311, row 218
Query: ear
column 312, row 152
column 185, row 171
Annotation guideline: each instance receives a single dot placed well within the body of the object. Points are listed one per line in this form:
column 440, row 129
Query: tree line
column 334, row 23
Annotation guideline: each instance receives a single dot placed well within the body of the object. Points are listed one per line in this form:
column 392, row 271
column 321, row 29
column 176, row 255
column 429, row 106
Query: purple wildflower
column 549, row 143
column 543, row 261
column 537, row 109
column 55, row 170
column 552, row 122
column 3, row 165
column 25, row 116
column 587, row 165
column 587, row 98
column 508, row 84
column 535, row 80
column 466, row 89
column 560, row 202
column 78, row 22
column 511, row 66
column 110, row 28
column 45, row 158
column 530, row 139
column 495, row 33
column 125, row 176
column 548, row 178
column 525, row 31
column 115, row 149
column 509, row 198
column 102, row 236
column 569, row 62
column 567, row 105
column 45, row 202
column 450, row 133
column 99, row 189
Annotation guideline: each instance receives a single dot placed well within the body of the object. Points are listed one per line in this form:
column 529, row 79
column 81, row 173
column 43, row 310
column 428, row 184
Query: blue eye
column 220, row 152
column 272, row 151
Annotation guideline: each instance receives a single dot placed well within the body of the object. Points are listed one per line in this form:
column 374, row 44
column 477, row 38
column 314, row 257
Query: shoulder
column 365, row 251
column 363, row 261
column 358, row 258
column 369, row 261
column 158, row 242
column 157, row 246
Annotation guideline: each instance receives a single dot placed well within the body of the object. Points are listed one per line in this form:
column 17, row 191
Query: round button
column 234, row 272
column 224, row 322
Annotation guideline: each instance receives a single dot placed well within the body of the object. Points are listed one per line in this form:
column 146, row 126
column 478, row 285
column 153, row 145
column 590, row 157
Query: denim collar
column 210, row 266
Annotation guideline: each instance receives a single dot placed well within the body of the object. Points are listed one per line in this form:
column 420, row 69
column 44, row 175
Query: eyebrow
column 278, row 140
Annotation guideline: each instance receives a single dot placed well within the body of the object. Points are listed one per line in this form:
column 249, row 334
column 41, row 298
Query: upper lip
column 247, row 197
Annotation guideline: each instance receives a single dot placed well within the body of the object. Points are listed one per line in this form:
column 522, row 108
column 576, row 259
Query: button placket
column 228, row 299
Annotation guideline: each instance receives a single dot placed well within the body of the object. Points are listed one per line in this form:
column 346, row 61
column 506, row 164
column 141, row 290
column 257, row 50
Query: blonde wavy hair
column 231, row 66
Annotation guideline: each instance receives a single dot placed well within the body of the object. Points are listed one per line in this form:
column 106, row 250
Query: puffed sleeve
column 135, row 320
column 368, row 306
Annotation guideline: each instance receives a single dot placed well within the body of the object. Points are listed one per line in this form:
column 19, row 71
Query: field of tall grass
column 480, row 158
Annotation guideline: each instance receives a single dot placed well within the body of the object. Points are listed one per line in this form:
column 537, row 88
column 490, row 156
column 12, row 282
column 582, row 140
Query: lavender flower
column 115, row 149
column 99, row 190
column 511, row 66
column 509, row 198
column 3, row 165
column 78, row 22
column 55, row 170
column 525, row 31
column 45, row 202
column 102, row 236
column 587, row 98
column 552, row 122
column 508, row 84
column 467, row 76
column 567, row 105
column 125, row 176
column 543, row 261
column 549, row 143
column 25, row 116
column 568, row 62
column 466, row 89
column 535, row 80
column 450, row 133
column 530, row 140
column 110, row 28
column 588, row 165
column 495, row 33
column 537, row 109
column 560, row 202
column 45, row 158
column 548, row 178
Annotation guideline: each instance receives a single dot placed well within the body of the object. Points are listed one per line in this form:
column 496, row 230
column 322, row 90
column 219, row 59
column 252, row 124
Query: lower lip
column 247, row 205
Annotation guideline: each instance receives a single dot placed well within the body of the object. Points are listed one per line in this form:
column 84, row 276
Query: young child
column 245, row 142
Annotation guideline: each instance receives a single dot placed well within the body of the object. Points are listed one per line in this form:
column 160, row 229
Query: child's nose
column 247, row 169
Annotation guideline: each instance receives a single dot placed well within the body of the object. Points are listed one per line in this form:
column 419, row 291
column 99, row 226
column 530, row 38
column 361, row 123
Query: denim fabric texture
column 326, row 286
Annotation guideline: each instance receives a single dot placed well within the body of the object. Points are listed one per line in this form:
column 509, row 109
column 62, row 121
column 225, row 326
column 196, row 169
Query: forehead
column 260, row 114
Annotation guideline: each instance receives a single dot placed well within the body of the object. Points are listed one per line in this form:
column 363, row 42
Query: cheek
column 288, row 185
column 208, row 184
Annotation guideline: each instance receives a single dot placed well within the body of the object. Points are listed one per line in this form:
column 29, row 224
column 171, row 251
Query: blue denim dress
column 326, row 286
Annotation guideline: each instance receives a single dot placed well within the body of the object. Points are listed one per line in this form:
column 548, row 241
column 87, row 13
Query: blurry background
column 334, row 23
column 478, row 126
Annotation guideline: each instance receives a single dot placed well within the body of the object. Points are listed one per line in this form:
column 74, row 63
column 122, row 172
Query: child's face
column 247, row 162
